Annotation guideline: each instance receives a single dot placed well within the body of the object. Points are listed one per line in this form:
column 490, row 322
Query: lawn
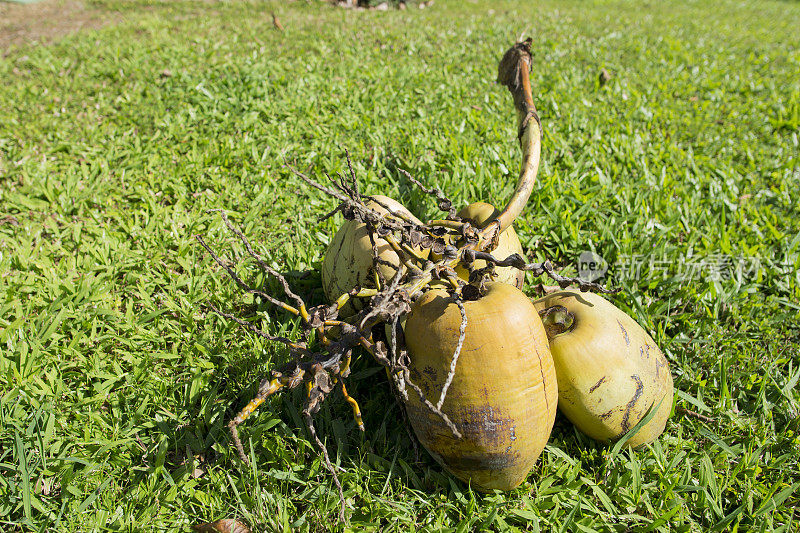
column 116, row 381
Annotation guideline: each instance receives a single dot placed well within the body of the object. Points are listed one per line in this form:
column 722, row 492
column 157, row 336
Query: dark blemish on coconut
column 485, row 423
column 629, row 407
column 594, row 387
column 624, row 334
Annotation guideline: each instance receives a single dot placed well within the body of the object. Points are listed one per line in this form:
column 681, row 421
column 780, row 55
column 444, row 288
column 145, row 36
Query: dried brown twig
column 518, row 262
column 694, row 414
column 442, row 201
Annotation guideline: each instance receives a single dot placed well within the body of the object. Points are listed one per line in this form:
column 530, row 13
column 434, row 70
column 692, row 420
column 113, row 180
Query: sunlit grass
column 116, row 384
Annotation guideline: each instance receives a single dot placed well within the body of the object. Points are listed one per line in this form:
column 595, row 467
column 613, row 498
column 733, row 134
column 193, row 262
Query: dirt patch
column 46, row 21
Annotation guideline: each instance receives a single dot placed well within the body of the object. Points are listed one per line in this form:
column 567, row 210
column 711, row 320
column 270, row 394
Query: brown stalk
column 514, row 73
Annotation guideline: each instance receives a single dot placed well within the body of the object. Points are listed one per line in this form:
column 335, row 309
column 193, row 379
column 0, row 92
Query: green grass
column 115, row 383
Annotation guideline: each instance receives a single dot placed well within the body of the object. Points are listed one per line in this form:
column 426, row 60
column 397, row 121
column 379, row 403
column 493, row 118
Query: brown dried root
column 322, row 370
column 442, row 201
column 546, row 267
column 462, row 330
column 406, row 232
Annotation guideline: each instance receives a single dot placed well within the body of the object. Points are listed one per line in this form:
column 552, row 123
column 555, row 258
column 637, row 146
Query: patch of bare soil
column 46, row 21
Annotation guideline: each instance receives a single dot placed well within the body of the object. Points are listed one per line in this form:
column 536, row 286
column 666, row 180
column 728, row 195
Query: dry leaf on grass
column 276, row 22
column 226, row 525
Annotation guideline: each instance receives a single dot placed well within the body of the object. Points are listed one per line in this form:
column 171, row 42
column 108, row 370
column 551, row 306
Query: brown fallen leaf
column 226, row 525
column 277, row 22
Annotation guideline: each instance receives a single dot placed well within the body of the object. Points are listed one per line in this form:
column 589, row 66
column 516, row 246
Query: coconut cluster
column 486, row 360
column 480, row 368
column 497, row 364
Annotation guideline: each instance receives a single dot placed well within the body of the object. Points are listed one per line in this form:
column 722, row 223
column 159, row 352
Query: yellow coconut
column 348, row 261
column 479, row 214
column 610, row 371
column 503, row 394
